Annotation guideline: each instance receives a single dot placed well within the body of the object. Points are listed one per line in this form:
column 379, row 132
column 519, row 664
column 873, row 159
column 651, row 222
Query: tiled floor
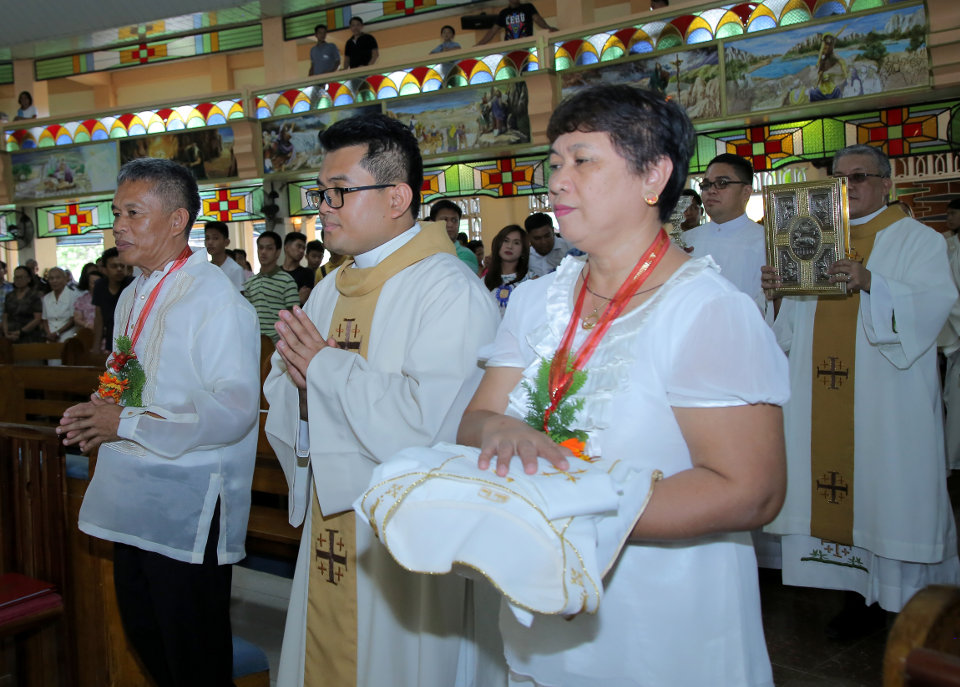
column 794, row 619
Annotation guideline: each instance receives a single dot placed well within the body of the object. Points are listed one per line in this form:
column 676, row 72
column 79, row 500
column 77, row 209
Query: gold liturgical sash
column 832, row 421
column 331, row 651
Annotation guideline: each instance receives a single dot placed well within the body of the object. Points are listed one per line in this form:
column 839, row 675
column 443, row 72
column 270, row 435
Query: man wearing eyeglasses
column 732, row 239
column 382, row 357
column 867, row 509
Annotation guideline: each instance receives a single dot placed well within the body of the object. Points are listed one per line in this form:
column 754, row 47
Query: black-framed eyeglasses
column 719, row 184
column 333, row 196
column 857, row 177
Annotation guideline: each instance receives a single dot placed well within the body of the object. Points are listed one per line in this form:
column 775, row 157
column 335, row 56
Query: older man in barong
column 175, row 421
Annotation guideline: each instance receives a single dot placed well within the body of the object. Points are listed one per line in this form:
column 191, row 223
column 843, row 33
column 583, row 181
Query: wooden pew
column 29, row 353
column 269, row 531
column 34, row 544
column 923, row 648
column 40, row 394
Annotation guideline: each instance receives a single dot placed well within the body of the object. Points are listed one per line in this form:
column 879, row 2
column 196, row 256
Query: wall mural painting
column 845, row 58
column 698, row 87
column 294, row 143
column 65, row 171
column 207, row 153
column 454, row 120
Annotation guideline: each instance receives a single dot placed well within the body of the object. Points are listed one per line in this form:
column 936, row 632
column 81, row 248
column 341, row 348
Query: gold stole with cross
column 331, row 641
column 832, row 419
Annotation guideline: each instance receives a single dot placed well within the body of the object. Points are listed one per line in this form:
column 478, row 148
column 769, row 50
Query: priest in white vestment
column 382, row 357
column 867, row 509
column 733, row 240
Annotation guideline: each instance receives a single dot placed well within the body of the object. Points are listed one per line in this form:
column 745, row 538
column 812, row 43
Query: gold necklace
column 590, row 321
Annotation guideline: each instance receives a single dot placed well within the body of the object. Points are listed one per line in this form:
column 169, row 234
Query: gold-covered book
column 807, row 229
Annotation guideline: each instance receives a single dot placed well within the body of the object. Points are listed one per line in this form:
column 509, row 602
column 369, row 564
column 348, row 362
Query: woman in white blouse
column 58, row 324
column 658, row 361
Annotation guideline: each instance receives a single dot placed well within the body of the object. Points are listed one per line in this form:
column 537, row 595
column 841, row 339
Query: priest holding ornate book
column 867, row 509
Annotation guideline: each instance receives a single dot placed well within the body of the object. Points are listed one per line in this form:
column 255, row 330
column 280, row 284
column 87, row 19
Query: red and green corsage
column 124, row 379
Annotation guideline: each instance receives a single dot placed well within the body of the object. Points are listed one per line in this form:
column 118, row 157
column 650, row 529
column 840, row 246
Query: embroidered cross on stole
column 832, row 419
column 332, row 645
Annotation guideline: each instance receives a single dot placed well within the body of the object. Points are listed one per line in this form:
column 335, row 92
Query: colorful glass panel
column 412, row 81
column 231, row 204
column 121, row 125
column 73, row 219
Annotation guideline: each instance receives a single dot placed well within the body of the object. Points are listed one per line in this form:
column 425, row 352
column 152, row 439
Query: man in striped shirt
column 272, row 289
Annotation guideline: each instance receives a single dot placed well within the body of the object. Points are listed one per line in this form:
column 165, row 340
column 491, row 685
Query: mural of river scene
column 846, row 58
column 698, row 86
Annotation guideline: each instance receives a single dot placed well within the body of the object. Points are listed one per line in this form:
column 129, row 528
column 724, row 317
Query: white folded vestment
column 545, row 540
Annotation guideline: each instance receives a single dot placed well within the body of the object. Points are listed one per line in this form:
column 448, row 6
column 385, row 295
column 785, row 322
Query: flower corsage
column 124, row 379
column 557, row 424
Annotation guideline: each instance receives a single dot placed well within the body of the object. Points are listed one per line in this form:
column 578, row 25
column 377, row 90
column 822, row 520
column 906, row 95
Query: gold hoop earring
column 652, row 199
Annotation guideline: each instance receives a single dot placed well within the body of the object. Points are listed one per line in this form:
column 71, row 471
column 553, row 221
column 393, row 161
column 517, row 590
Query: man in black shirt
column 294, row 245
column 517, row 21
column 361, row 48
column 106, row 293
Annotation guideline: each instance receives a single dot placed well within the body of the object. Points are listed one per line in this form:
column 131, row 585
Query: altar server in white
column 867, row 509
column 383, row 356
column 732, row 239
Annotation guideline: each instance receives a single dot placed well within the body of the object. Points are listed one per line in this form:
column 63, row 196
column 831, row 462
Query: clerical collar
column 735, row 220
column 866, row 218
column 380, row 253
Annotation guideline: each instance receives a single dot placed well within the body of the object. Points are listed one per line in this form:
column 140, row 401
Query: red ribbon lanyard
column 152, row 298
column 560, row 376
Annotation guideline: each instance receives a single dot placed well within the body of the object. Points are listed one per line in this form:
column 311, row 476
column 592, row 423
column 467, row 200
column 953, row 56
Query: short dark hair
column 954, row 204
column 173, row 184
column 272, row 235
column 292, row 236
column 741, row 166
column 29, row 97
column 642, row 126
column 353, row 19
column 315, row 247
column 393, row 154
column 320, row 26
column 537, row 220
column 109, row 253
column 220, row 227
column 447, row 26
column 693, row 194
column 240, row 251
column 444, row 204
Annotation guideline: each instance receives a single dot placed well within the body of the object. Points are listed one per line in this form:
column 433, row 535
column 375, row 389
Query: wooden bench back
column 33, row 503
column 29, row 353
column 39, row 394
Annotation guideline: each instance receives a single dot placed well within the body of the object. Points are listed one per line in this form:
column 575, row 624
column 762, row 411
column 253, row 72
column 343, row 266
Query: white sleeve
column 726, row 356
column 223, row 407
column 907, row 308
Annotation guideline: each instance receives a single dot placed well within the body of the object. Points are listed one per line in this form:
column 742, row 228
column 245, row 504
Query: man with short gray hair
column 867, row 509
column 175, row 420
